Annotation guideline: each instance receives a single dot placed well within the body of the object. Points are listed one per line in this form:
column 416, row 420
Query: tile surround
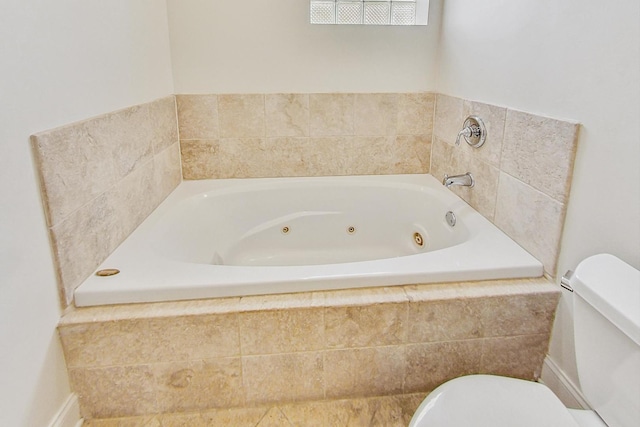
column 245, row 352
column 277, row 135
column 104, row 175
column 100, row 178
column 522, row 172
column 385, row 411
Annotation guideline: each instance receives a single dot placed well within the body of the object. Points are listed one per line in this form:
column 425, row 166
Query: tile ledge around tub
column 303, row 300
column 486, row 288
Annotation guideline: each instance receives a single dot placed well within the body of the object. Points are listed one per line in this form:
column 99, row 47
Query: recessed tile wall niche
column 275, row 135
column 522, row 172
column 100, row 178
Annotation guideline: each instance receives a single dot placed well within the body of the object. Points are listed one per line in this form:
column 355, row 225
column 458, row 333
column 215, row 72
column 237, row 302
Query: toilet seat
column 492, row 401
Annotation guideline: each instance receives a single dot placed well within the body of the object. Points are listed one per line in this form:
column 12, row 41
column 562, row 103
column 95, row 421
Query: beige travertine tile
column 241, row 116
column 164, row 120
column 412, row 154
column 431, row 364
column 443, row 320
column 244, row 158
column 274, row 418
column 365, row 326
column 494, row 119
column 114, row 391
column 364, row 371
column 482, row 196
column 287, row 114
column 199, row 385
column 134, row 198
column 518, row 357
column 83, row 240
column 74, row 168
column 479, row 289
column 330, row 156
column 384, row 411
column 198, row 158
column 236, row 417
column 306, row 414
column 198, row 337
column 92, row 170
column 376, row 150
column 449, row 117
column 344, row 155
column 283, row 377
column 150, row 310
column 364, row 296
column 444, row 159
column 143, row 341
column 415, row 113
column 167, row 171
column 192, row 419
column 531, row 218
column 198, row 116
column 130, row 133
column 284, row 157
column 322, row 156
column 283, row 331
column 274, row 157
column 450, row 160
column 331, row 114
column 298, row 300
column 376, row 114
column 540, row 152
column 107, row 344
column 150, row 421
column 516, row 314
column 377, row 411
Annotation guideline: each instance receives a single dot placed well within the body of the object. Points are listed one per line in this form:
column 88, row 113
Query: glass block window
column 369, row 12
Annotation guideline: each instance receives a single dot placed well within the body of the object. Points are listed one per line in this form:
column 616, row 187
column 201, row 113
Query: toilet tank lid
column 612, row 287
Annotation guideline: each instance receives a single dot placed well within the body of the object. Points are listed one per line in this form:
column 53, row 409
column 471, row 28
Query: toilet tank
column 607, row 337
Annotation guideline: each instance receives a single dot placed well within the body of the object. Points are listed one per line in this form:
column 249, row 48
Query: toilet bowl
column 490, row 400
column 607, row 336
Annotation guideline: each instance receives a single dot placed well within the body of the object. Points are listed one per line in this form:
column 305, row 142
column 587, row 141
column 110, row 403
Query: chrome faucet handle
column 473, row 131
column 466, row 132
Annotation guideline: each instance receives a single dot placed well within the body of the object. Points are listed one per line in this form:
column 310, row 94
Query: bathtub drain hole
column 417, row 237
column 285, row 230
column 451, row 218
column 351, row 230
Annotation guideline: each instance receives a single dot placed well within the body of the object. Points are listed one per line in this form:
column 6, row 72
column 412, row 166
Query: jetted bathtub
column 219, row 238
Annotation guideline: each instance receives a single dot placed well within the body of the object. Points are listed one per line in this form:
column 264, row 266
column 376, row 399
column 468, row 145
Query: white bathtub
column 218, row 238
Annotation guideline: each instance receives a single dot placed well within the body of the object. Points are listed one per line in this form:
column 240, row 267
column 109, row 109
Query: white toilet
column 607, row 340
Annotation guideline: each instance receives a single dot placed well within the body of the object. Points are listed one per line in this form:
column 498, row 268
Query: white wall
column 61, row 62
column 572, row 59
column 257, row 46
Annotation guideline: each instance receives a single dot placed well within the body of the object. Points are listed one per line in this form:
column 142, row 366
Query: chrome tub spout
column 465, row 180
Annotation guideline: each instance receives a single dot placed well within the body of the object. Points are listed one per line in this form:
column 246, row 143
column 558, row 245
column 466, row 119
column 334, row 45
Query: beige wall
column 257, row 46
column 575, row 60
column 61, row 62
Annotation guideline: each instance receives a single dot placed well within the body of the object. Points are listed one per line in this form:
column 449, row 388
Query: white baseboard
column 566, row 390
column 69, row 414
